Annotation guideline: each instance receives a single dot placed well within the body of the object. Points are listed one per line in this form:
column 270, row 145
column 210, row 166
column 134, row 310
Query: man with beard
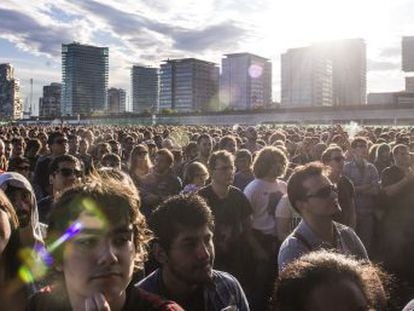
column 183, row 228
column 315, row 198
column 58, row 145
column 20, row 193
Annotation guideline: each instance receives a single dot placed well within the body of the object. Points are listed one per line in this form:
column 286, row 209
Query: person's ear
column 160, row 254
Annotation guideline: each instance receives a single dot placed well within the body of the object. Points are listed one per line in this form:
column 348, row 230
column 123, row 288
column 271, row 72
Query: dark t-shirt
column 137, row 299
column 398, row 226
column 229, row 215
column 346, row 195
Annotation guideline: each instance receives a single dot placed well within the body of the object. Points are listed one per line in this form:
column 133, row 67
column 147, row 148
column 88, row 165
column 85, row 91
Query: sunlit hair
column 192, row 170
column 381, row 148
column 298, row 279
column 295, row 188
column 7, row 207
column 112, row 199
column 225, row 140
column 134, row 157
column 266, row 159
column 221, row 155
column 327, row 154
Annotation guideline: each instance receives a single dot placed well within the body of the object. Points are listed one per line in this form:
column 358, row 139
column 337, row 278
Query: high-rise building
column 145, row 88
column 335, row 72
column 306, row 78
column 407, row 49
column 246, row 81
column 49, row 104
column 84, row 78
column 189, row 84
column 10, row 102
column 349, row 71
column 409, row 84
column 116, row 100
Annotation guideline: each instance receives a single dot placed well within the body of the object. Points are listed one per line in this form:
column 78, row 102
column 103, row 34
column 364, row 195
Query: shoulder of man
column 229, row 290
column 292, row 248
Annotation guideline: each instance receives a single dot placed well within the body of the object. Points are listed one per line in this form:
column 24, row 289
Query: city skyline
column 31, row 34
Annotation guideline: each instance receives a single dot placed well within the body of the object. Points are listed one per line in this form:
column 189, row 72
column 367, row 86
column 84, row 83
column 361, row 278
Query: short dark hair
column 166, row 153
column 221, row 155
column 16, row 162
column 112, row 158
column 33, row 143
column 295, row 189
column 53, row 136
column 358, row 140
column 114, row 200
column 327, row 154
column 266, row 158
column 203, row 136
column 244, row 154
column 297, row 280
column 178, row 212
column 54, row 164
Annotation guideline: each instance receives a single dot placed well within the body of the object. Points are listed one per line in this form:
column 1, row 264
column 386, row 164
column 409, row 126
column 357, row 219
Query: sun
column 301, row 22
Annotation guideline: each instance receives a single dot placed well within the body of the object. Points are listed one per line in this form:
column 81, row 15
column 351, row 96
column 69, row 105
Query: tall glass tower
column 84, row 79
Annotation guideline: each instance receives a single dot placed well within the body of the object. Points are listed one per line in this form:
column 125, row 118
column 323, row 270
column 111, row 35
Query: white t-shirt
column 264, row 196
column 285, row 210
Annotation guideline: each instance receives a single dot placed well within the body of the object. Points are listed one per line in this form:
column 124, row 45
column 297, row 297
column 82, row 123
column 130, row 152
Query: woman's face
column 5, row 230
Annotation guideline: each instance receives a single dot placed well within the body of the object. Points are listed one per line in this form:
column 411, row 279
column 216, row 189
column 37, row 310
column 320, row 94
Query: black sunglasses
column 68, row 172
column 323, row 193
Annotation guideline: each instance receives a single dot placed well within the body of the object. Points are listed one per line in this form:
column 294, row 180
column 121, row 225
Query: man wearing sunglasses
column 335, row 159
column 58, row 145
column 315, row 198
column 64, row 172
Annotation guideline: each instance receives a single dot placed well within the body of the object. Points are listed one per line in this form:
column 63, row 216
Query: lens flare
column 255, row 71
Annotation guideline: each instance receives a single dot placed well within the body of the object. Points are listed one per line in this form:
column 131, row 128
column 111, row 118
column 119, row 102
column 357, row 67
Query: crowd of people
column 268, row 217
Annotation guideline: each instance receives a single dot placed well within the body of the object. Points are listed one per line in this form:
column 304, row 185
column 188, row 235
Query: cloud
column 215, row 37
column 30, row 35
column 376, row 65
column 391, row 52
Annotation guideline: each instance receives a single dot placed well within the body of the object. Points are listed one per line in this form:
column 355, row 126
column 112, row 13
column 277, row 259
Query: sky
column 148, row 32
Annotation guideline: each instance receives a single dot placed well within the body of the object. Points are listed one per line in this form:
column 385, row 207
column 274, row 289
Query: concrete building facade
column 324, row 74
column 245, row 81
column 11, row 107
column 145, row 88
column 306, row 78
column 189, row 84
column 407, row 49
column 84, row 79
column 116, row 100
column 49, row 103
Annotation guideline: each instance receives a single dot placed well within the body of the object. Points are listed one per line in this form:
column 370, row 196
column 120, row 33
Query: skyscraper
column 49, row 104
column 306, row 78
column 407, row 54
column 84, row 78
column 333, row 72
column 10, row 103
column 116, row 100
column 189, row 84
column 349, row 71
column 246, row 81
column 145, row 88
